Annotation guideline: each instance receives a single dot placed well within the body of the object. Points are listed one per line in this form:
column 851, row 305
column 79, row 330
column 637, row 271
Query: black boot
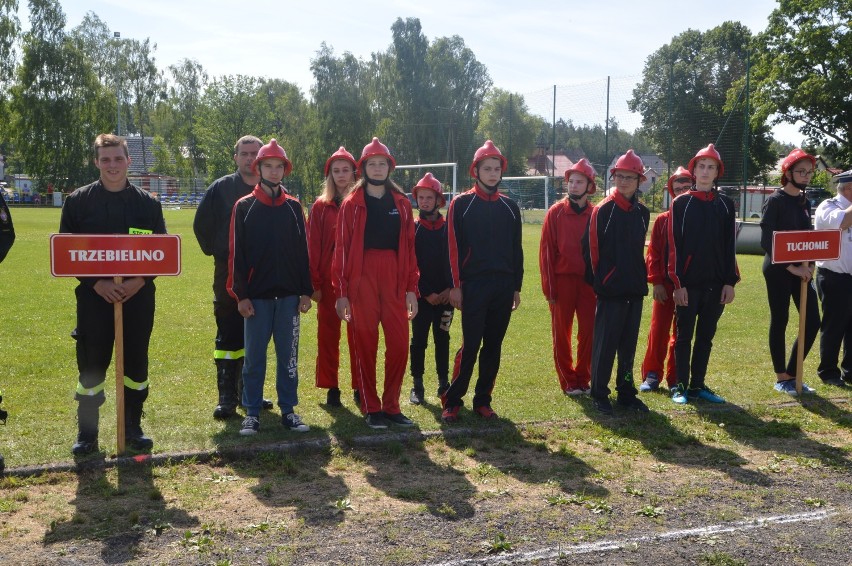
column 265, row 404
column 332, row 397
column 227, row 374
column 417, row 392
column 133, row 435
column 443, row 385
column 87, row 428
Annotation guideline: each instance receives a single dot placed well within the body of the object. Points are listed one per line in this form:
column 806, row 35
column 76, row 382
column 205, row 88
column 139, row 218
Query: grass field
column 38, row 375
column 763, row 479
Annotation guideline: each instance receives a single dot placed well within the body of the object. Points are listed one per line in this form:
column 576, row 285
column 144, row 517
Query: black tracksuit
column 7, row 229
column 614, row 248
column 702, row 258
column 487, row 262
column 212, row 224
column 432, row 249
column 277, row 268
column 94, row 210
column 782, row 212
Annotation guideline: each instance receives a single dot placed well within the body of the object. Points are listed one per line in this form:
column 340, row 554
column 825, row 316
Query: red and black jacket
column 485, row 237
column 702, row 240
column 561, row 249
column 615, row 247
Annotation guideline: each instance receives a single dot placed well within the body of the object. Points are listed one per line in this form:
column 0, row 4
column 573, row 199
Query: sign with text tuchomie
column 114, row 255
column 805, row 245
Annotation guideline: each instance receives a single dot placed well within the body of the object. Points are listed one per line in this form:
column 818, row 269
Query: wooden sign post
column 116, row 256
column 803, row 246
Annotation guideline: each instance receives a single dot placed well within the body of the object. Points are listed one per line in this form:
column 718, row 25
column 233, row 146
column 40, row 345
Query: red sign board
column 112, row 255
column 805, row 245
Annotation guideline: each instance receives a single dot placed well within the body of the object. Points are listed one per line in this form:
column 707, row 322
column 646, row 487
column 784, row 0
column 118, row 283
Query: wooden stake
column 118, row 312
column 800, row 344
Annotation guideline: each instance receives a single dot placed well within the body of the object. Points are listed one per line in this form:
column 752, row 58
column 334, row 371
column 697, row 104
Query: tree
column 58, row 106
column 683, row 95
column 144, row 84
column 506, row 120
column 10, row 29
column 290, row 122
column 459, row 84
column 232, row 107
column 173, row 119
column 802, row 70
column 342, row 101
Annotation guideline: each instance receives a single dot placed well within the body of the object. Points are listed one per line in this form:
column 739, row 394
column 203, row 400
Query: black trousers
column 95, row 336
column 486, row 310
column 781, row 286
column 615, row 334
column 835, row 292
column 699, row 320
column 437, row 318
column 230, row 337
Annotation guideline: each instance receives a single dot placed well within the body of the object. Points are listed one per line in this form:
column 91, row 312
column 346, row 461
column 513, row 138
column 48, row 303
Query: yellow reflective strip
column 228, row 354
column 89, row 392
column 130, row 384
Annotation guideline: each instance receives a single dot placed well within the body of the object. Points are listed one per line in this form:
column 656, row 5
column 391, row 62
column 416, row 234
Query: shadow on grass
column 121, row 515
column 284, row 462
column 667, row 443
column 777, row 435
column 826, row 408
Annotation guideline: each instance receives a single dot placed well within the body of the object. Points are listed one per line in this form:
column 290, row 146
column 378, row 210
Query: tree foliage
column 803, row 69
column 57, row 104
column 507, row 121
column 683, row 96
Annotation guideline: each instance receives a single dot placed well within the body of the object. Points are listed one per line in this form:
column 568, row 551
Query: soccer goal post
column 529, row 192
column 433, row 166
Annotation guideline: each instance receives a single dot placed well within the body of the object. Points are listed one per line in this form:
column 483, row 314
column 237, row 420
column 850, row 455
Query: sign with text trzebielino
column 805, row 245
column 114, row 255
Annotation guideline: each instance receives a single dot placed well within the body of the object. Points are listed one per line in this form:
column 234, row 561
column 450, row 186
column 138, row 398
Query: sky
column 526, row 50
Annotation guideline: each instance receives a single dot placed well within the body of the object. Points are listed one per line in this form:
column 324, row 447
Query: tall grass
column 38, row 372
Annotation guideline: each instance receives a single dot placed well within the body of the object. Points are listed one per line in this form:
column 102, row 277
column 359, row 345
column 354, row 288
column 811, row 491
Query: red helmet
column 271, row 151
column 342, row 155
column 373, row 149
column 709, row 151
column 632, row 163
column 433, row 184
column 679, row 174
column 487, row 150
column 794, row 157
column 584, row 167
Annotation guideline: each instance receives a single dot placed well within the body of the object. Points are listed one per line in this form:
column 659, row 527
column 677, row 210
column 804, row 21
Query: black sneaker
column 250, row 426
column 293, row 422
column 377, row 420
column 633, row 404
column 603, row 406
column 332, row 397
column 416, row 397
column 835, row 381
column 399, row 419
column 85, row 444
column 267, row 405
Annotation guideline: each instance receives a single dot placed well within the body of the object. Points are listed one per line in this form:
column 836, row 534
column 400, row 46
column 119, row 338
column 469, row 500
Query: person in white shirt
column 834, row 281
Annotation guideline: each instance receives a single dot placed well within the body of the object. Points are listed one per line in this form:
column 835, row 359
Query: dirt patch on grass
column 553, row 488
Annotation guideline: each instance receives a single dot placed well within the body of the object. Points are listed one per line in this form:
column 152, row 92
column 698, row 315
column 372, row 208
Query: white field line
column 604, row 545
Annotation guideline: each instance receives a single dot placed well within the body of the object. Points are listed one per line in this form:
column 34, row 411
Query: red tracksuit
column 563, row 281
column 375, row 282
column 322, row 230
column 663, row 331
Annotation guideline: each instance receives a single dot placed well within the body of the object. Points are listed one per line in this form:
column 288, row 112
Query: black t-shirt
column 382, row 229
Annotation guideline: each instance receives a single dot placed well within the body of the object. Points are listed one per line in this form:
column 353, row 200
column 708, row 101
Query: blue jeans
column 278, row 319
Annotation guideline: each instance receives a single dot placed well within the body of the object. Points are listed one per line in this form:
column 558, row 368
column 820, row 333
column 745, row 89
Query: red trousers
column 573, row 297
column 378, row 301
column 661, row 339
column 328, row 340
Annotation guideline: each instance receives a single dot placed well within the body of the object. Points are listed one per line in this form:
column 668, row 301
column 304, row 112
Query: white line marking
column 557, row 552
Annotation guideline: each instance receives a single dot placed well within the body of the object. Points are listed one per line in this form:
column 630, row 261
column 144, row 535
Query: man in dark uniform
column 112, row 205
column 834, row 285
column 212, row 224
column 7, row 238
